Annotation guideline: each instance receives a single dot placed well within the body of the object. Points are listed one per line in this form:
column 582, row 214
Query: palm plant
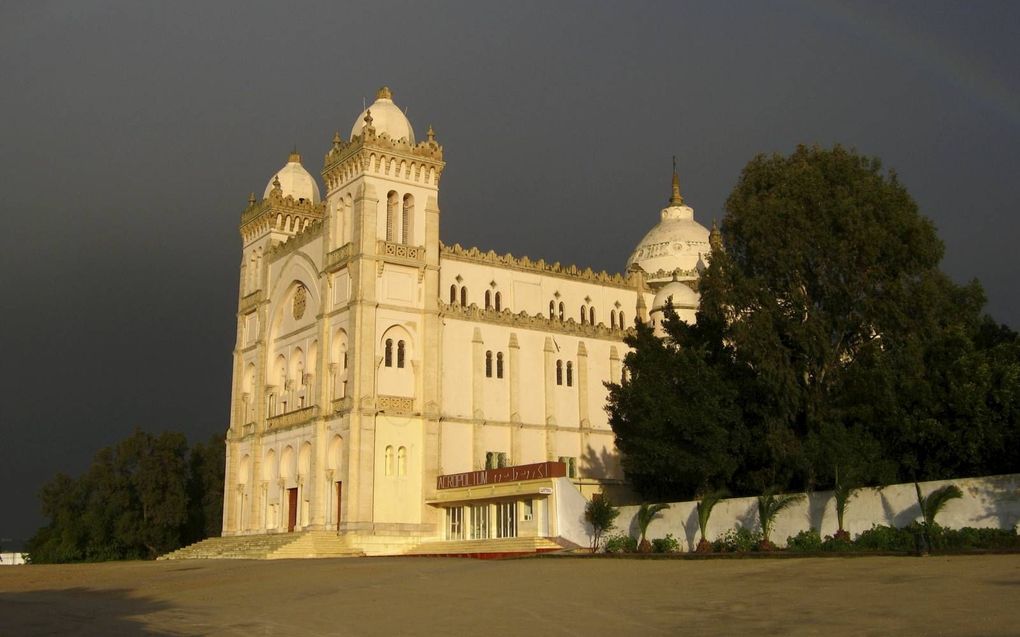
column 769, row 506
column 842, row 492
column 932, row 505
column 645, row 515
column 705, row 506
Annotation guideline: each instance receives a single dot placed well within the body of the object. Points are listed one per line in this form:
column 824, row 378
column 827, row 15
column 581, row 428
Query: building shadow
column 77, row 611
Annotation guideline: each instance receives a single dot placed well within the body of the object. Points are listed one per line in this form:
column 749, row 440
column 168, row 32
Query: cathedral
column 399, row 392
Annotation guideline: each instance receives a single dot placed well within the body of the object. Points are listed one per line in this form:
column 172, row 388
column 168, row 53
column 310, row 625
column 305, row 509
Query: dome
column 676, row 242
column 684, row 298
column 295, row 181
column 386, row 118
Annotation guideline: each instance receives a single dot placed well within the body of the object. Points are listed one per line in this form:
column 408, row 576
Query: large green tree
column 834, row 339
column 140, row 498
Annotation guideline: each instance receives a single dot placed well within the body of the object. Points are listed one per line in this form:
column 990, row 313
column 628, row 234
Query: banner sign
column 536, row 471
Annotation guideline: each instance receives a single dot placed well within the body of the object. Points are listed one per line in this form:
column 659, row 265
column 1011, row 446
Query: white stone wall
column 992, row 501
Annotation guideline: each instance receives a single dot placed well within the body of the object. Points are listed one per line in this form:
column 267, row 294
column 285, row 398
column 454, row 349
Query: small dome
column 676, row 242
column 386, row 118
column 295, row 181
column 683, row 297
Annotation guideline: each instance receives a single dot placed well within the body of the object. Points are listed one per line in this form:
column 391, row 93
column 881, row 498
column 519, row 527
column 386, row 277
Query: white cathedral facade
column 396, row 390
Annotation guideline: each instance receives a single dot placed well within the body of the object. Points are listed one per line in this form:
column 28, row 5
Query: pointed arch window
column 463, row 296
column 391, row 216
column 584, row 316
column 570, row 374
column 488, row 364
column 407, row 220
column 388, row 460
column 499, row 364
column 623, row 324
column 591, row 315
column 499, row 302
column 453, row 295
column 612, row 319
column 388, row 353
column 561, row 311
column 552, row 310
column 400, row 354
column 402, row 461
column 488, row 300
column 559, row 372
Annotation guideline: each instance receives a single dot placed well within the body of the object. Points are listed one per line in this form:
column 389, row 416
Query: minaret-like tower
column 382, row 243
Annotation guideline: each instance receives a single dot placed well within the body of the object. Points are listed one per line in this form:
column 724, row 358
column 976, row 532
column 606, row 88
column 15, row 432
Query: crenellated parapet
column 278, row 213
column 539, row 322
column 524, row 264
column 305, row 236
column 380, row 155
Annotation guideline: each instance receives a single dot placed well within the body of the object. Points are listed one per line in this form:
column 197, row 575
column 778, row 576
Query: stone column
column 550, row 398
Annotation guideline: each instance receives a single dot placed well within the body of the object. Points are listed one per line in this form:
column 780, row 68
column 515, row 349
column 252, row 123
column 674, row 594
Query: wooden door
column 339, row 492
column 291, row 509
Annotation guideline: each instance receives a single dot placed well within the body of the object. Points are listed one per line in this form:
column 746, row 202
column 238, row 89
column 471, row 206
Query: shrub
column 807, row 541
column 971, row 538
column 838, row 543
column 620, row 543
column 740, row 540
column 886, row 538
column 668, row 544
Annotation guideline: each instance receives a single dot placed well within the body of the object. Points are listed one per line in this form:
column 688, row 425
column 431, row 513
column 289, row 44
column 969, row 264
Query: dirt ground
column 974, row 595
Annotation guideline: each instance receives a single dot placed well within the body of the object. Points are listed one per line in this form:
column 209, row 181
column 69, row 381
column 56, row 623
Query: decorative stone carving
column 457, row 252
column 395, row 404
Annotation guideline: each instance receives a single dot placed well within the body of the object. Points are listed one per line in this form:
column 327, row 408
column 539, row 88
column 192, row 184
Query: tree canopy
column 142, row 497
column 827, row 337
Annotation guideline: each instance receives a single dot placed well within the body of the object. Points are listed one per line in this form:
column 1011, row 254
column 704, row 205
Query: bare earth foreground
column 974, row 595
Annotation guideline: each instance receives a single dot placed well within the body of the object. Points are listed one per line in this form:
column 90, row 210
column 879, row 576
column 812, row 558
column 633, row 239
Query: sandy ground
column 976, row 595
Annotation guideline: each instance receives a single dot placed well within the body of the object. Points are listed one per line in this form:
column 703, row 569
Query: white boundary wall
column 12, row 559
column 992, row 501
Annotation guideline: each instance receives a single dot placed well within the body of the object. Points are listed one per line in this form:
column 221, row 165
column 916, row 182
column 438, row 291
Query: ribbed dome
column 386, row 118
column 295, row 181
column 683, row 297
column 676, row 242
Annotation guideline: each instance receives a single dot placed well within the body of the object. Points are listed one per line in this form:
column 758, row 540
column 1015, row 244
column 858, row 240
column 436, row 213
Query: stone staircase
column 303, row 544
column 503, row 547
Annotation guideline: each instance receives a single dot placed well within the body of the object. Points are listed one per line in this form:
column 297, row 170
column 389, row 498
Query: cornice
column 524, row 264
column 538, row 322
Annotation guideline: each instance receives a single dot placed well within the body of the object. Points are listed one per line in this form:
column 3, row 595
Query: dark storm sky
column 132, row 133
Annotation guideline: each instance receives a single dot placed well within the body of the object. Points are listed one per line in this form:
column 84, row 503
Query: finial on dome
column 336, row 138
column 294, row 155
column 276, row 183
column 384, row 93
column 431, row 134
column 675, row 199
column 251, row 199
column 368, row 118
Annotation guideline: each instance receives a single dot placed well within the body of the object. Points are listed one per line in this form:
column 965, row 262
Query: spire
column 384, row 93
column 294, row 155
column 368, row 118
column 277, row 188
column 336, row 139
column 251, row 199
column 715, row 237
column 676, row 199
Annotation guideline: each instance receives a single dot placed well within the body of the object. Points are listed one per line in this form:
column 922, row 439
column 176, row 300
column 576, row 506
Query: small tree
column 645, row 515
column 769, row 506
column 705, row 506
column 601, row 515
column 931, row 505
column 842, row 492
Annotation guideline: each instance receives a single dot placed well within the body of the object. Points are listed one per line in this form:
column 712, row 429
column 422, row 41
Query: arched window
column 400, row 354
column 559, row 372
column 388, row 353
column 499, row 302
column 570, row 374
column 488, row 300
column 453, row 294
column 345, row 359
column 389, row 460
column 584, row 316
column 407, row 220
column 488, row 364
column 499, row 364
column 391, row 216
column 463, row 297
column 612, row 319
column 623, row 324
column 561, row 311
column 402, row 461
column 591, row 315
column 552, row 310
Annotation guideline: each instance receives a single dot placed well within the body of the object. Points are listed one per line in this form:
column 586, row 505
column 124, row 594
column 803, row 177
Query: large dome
column 681, row 296
column 386, row 118
column 295, row 181
column 677, row 242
